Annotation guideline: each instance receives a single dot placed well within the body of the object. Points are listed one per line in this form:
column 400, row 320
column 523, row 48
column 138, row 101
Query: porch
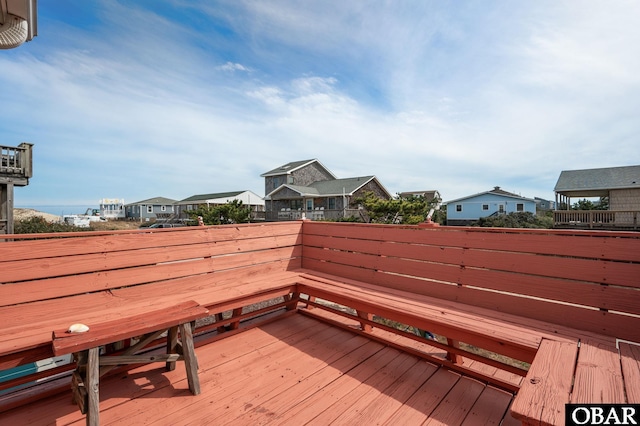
column 548, row 316
column 597, row 219
column 317, row 213
column 16, row 167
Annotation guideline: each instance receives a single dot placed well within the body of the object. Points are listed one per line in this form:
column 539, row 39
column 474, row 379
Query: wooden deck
column 295, row 370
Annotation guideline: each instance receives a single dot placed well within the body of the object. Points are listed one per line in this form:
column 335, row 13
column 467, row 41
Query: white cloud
column 232, row 67
column 423, row 95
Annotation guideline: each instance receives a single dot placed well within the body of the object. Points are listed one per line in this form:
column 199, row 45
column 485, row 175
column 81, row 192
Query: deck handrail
column 16, row 160
column 597, row 219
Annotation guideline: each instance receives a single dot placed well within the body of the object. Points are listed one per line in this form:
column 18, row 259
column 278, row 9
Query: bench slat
column 30, row 291
column 108, row 332
column 354, row 252
column 22, row 270
column 593, row 294
column 598, row 376
column 630, row 360
column 546, row 389
column 96, row 242
column 587, row 244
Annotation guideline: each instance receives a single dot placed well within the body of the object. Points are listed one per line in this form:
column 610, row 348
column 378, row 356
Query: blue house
column 467, row 210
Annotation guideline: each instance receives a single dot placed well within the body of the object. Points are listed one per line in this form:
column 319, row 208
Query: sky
column 172, row 98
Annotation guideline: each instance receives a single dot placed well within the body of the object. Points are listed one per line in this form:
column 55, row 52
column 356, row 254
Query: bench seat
column 27, row 327
column 567, row 365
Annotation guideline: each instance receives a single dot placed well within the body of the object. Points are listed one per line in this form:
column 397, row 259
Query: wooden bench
column 557, row 300
column 50, row 281
column 90, row 365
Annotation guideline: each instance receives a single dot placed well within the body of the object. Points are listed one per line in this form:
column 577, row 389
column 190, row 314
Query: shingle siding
column 624, row 199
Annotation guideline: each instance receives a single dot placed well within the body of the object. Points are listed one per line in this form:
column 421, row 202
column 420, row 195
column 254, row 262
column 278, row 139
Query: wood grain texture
column 103, row 333
column 547, row 387
column 598, row 377
column 630, row 361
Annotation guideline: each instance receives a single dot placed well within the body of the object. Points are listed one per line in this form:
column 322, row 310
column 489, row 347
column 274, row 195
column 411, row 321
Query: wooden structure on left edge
column 16, row 167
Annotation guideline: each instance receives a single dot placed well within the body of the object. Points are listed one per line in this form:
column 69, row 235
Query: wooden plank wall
column 589, row 280
column 50, row 268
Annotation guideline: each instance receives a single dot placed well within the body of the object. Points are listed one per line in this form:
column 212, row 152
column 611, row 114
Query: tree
column 410, row 210
column 515, row 220
column 584, row 204
column 39, row 225
column 232, row 212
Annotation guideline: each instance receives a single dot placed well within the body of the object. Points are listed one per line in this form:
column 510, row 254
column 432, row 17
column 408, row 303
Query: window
column 458, row 207
column 520, row 207
column 331, row 203
column 149, row 209
column 276, row 182
column 309, row 204
column 296, row 204
column 290, row 180
column 485, row 207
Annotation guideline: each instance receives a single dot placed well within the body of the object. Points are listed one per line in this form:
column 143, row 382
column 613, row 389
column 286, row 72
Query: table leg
column 93, row 387
column 190, row 361
column 172, row 343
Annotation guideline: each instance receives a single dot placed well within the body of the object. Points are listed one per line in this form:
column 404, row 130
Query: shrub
column 38, row 225
column 515, row 220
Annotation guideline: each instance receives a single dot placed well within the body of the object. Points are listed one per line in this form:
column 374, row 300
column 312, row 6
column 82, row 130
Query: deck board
column 598, row 377
column 630, row 361
column 294, row 370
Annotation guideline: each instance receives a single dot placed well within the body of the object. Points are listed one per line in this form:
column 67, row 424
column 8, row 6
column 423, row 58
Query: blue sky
column 135, row 100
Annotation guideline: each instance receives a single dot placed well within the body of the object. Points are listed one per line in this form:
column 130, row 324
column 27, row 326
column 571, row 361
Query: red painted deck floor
column 295, row 370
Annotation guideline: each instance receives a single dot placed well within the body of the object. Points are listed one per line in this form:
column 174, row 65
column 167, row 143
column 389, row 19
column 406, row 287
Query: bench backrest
column 78, row 263
column 580, row 279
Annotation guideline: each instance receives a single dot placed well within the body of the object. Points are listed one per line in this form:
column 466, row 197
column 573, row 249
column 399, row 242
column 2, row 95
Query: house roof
column 154, row 201
column 495, row 191
column 293, row 166
column 334, row 187
column 204, row 197
column 597, row 182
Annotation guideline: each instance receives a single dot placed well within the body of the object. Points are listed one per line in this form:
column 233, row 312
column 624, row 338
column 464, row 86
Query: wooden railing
column 16, row 160
column 597, row 219
column 316, row 214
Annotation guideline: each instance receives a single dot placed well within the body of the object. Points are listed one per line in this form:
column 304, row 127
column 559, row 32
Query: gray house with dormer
column 307, row 189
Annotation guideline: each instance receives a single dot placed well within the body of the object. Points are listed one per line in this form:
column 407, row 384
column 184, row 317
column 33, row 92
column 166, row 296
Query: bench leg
column 93, row 387
column 455, row 358
column 218, row 317
column 311, row 299
column 190, row 360
column 172, row 343
column 292, row 300
column 365, row 315
column 236, row 313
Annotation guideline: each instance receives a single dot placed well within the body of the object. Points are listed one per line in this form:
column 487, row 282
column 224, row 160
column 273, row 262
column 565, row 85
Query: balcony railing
column 597, row 219
column 316, row 214
column 16, row 161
